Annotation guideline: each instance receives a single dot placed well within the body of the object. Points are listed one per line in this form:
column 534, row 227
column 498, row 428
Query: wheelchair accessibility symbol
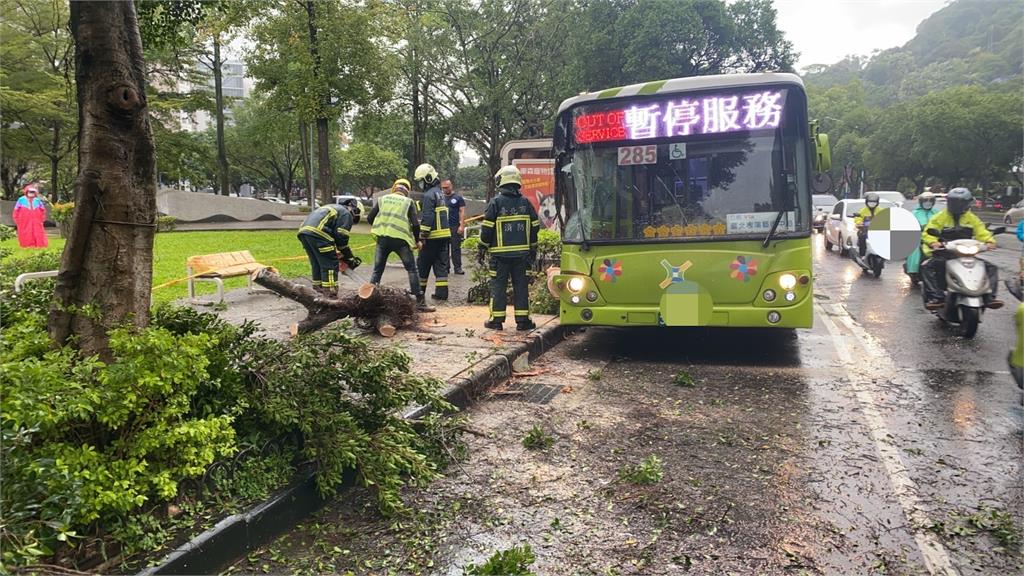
column 677, row 151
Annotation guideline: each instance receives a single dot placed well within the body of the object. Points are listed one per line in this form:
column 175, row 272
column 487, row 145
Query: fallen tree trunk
column 384, row 308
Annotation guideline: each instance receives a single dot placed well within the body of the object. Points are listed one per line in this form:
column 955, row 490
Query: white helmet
column 508, row 175
column 926, row 200
column 425, row 173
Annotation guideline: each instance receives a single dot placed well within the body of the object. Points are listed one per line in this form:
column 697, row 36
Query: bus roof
column 685, row 85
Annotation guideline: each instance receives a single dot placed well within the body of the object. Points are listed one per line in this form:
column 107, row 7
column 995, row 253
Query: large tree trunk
column 223, row 175
column 108, row 259
column 384, row 308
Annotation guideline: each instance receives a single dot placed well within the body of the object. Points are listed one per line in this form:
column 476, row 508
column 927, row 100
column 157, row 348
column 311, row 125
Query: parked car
column 1015, row 213
column 839, row 227
column 359, row 202
column 896, row 198
column 822, row 205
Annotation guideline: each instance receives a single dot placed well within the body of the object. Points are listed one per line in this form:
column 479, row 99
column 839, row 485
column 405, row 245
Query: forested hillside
column 944, row 107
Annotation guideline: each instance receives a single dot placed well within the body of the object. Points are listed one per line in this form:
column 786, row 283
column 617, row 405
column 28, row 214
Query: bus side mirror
column 822, row 153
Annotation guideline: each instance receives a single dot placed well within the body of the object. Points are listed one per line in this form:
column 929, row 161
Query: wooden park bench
column 216, row 267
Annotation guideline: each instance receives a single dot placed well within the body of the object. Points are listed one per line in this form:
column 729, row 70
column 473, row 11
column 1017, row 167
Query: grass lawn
column 277, row 248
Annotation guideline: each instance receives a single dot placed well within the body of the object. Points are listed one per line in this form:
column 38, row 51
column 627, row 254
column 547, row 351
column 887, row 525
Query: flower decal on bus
column 610, row 270
column 743, row 269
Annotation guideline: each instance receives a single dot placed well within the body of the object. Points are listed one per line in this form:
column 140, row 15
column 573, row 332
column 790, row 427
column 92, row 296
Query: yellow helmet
column 508, row 175
column 401, row 186
column 425, row 172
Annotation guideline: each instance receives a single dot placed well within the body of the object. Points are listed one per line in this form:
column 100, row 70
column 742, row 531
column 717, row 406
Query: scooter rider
column 434, row 232
column 957, row 217
column 923, row 213
column 509, row 231
column 866, row 213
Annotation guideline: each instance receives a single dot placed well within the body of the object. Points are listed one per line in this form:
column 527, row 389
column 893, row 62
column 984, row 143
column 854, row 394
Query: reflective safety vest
column 434, row 219
column 510, row 225
column 393, row 218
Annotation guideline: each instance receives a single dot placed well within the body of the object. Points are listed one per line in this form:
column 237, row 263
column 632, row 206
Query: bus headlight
column 787, row 281
column 576, row 284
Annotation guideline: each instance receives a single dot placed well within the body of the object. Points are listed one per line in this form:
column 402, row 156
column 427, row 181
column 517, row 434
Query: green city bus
column 687, row 202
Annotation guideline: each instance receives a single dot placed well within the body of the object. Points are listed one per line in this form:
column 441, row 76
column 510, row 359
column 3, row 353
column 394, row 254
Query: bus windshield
column 682, row 181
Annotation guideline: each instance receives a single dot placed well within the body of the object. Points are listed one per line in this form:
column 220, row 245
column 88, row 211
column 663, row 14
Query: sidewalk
column 446, row 344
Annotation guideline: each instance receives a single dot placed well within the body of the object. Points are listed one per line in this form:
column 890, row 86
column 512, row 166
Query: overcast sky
column 825, row 31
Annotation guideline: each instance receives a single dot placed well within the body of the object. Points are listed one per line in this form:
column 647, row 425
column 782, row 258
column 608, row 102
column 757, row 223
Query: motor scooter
column 870, row 262
column 967, row 282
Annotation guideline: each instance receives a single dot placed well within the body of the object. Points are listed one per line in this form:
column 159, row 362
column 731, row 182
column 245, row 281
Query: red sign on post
column 539, row 188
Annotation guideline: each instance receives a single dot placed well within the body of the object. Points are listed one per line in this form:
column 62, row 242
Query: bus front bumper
column 799, row 315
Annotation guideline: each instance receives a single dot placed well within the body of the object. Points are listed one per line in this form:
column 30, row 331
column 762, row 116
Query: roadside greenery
column 537, row 439
column 192, row 414
column 515, row 561
column 647, row 472
column 549, row 253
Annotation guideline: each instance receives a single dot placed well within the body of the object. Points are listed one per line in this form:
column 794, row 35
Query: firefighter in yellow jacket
column 434, row 232
column 509, row 233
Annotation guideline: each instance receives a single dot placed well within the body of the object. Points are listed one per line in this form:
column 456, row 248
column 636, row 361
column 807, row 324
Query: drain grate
column 532, row 392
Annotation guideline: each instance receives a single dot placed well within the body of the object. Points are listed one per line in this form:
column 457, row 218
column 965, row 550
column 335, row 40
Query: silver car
column 359, row 202
column 1014, row 214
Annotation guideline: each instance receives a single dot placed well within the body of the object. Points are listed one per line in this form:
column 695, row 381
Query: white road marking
column 935, row 556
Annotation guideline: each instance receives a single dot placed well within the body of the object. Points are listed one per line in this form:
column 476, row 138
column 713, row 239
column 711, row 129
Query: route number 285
column 629, row 155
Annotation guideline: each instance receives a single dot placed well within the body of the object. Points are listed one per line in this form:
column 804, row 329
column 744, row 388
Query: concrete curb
column 234, row 536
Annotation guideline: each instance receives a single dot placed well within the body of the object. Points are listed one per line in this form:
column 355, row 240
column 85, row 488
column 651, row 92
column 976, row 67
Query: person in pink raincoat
column 29, row 213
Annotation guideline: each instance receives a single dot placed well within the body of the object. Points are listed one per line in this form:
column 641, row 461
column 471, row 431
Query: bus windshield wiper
column 775, row 225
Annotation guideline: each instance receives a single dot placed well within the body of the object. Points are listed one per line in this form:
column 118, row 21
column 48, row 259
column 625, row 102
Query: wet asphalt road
column 913, row 437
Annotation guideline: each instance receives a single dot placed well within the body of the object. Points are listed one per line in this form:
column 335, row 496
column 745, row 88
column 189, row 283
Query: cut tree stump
column 385, row 309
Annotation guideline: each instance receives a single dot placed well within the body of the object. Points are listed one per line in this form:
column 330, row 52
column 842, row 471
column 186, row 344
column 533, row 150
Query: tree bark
column 324, row 160
column 322, row 132
column 386, row 309
column 223, row 174
column 108, row 260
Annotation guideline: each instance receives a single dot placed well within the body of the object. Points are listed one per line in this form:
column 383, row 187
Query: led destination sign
column 716, row 114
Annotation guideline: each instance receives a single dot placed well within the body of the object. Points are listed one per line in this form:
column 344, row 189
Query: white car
column 359, row 202
column 896, row 198
column 822, row 204
column 839, row 227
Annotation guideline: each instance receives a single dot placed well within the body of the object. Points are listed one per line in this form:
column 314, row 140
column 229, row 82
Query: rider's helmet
column 425, row 175
column 508, row 175
column 959, row 200
column 926, row 200
column 401, row 186
column 871, row 200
